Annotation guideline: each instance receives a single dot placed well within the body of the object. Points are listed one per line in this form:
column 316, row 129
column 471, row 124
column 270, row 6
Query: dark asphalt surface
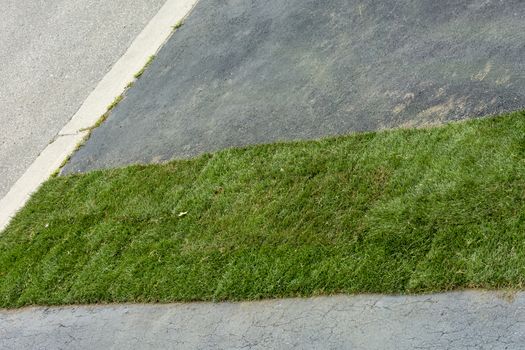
column 258, row 71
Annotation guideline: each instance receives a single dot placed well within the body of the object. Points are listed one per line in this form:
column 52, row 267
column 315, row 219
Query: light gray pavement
column 246, row 72
column 53, row 53
column 465, row 320
column 257, row 71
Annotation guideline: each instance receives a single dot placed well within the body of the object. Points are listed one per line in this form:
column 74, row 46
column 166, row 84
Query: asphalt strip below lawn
column 399, row 211
column 457, row 320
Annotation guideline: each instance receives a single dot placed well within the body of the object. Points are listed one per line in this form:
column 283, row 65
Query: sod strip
column 389, row 212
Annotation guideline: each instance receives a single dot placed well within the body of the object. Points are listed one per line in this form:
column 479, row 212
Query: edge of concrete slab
column 42, row 168
column 146, row 44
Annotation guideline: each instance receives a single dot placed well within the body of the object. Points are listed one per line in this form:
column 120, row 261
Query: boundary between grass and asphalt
column 405, row 211
column 146, row 44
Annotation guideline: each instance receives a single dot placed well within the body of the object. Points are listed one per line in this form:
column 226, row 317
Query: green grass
column 105, row 116
column 178, row 25
column 401, row 211
column 143, row 69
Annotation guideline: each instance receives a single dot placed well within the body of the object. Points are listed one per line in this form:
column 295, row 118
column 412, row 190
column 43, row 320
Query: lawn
column 401, row 211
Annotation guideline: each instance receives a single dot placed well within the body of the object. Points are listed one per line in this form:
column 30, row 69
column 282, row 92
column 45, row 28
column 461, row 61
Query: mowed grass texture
column 393, row 212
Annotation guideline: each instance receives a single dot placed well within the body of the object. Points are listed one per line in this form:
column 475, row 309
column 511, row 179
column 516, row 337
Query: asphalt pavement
column 53, row 53
column 247, row 72
column 464, row 320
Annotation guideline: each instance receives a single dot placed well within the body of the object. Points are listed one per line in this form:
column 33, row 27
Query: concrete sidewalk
column 51, row 65
column 53, row 54
column 461, row 320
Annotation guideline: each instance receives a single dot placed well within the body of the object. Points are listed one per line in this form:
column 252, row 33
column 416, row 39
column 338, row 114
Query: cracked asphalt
column 248, row 72
column 460, row 320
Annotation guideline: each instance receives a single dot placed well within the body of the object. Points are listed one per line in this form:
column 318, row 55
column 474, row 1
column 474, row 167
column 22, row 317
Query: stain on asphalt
column 258, row 71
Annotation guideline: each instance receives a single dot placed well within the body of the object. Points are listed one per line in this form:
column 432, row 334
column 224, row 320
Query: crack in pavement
column 459, row 320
